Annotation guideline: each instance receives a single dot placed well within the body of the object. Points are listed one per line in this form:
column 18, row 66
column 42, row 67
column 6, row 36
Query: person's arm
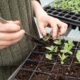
column 58, row 27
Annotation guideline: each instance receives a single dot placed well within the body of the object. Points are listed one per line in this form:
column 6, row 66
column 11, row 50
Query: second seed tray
column 68, row 17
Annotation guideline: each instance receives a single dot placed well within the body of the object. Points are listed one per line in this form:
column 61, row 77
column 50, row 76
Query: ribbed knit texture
column 17, row 10
column 11, row 57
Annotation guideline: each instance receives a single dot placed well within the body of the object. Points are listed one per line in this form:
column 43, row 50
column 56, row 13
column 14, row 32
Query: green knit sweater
column 17, row 10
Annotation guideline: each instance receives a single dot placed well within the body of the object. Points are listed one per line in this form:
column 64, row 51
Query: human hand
column 58, row 27
column 10, row 33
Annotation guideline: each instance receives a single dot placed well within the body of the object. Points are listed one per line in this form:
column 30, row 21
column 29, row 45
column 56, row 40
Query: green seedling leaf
column 78, row 56
column 68, row 47
column 57, row 42
column 62, row 58
column 46, row 38
column 48, row 56
column 52, row 48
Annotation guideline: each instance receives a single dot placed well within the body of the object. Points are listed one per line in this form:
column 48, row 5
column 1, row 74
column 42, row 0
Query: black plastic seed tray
column 37, row 67
column 66, row 16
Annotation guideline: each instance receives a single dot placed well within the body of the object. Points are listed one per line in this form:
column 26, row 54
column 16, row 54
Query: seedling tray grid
column 65, row 15
column 37, row 67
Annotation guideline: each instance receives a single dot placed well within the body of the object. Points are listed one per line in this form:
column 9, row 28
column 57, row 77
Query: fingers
column 4, row 44
column 10, row 26
column 42, row 29
column 63, row 28
column 11, row 36
column 58, row 27
column 54, row 30
column 10, row 33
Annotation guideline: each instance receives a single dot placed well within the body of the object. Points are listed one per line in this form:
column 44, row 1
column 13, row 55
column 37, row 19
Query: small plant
column 47, row 37
column 66, row 50
column 78, row 56
column 70, row 5
column 67, row 47
column 52, row 49
column 62, row 57
column 57, row 42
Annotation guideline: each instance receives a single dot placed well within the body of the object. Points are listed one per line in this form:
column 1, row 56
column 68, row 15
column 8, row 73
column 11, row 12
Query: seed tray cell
column 30, row 65
column 36, row 56
column 44, row 67
column 23, row 75
column 39, row 76
column 37, row 67
column 68, row 17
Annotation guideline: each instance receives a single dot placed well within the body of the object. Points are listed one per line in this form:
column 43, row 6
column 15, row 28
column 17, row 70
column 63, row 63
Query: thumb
column 17, row 22
column 42, row 29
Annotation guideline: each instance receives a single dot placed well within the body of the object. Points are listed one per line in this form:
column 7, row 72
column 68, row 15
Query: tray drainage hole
column 65, row 12
column 78, row 19
column 61, row 14
column 59, row 10
column 77, row 15
column 74, row 18
column 48, row 7
column 67, row 16
column 71, row 13
column 55, row 13
column 53, row 9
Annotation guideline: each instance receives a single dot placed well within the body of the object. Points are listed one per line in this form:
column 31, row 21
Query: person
column 14, row 47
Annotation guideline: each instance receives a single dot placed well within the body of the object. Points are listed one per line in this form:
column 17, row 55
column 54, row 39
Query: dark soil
column 23, row 75
column 31, row 65
column 44, row 67
column 39, row 76
column 36, row 57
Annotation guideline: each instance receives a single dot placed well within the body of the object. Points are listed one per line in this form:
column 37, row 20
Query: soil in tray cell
column 71, row 71
column 40, row 49
column 36, row 57
column 23, row 75
column 31, row 65
column 39, row 76
column 44, row 67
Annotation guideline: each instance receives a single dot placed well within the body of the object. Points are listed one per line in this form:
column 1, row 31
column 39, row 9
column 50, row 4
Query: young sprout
column 62, row 57
column 67, row 47
column 47, row 37
column 58, row 42
column 51, row 50
column 48, row 56
column 78, row 56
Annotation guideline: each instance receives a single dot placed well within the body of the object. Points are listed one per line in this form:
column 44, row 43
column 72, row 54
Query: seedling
column 52, row 49
column 58, row 42
column 78, row 56
column 48, row 56
column 62, row 57
column 66, row 50
column 67, row 47
column 45, row 38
